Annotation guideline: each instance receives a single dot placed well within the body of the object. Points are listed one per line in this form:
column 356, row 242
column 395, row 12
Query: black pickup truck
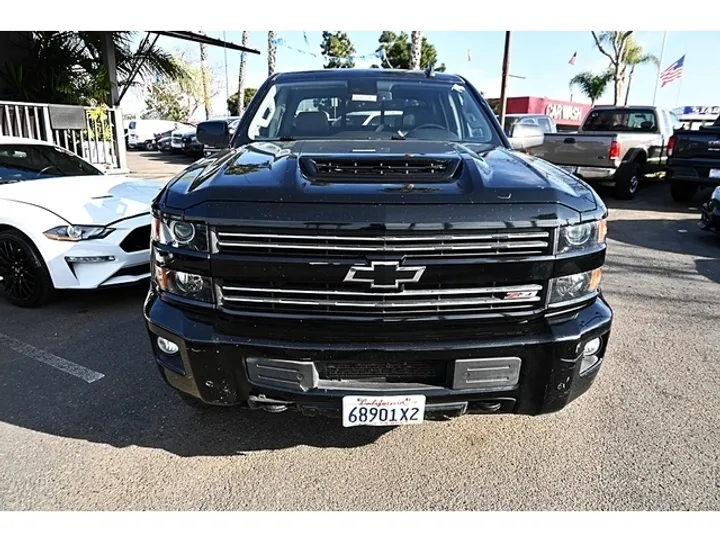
column 693, row 161
column 383, row 274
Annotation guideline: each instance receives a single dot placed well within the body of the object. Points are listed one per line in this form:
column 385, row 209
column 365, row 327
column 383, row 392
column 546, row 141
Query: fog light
column 167, row 346
column 592, row 347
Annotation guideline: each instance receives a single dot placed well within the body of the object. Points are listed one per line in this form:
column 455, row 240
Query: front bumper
column 222, row 369
column 71, row 264
column 596, row 173
column 710, row 216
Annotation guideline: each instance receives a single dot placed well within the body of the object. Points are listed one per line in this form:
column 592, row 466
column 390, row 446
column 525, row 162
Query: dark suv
column 385, row 274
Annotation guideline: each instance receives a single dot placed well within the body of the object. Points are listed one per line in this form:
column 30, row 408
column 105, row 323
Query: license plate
column 567, row 168
column 383, row 411
column 714, row 173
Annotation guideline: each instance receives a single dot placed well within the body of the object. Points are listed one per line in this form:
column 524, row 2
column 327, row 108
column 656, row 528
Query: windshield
column 642, row 120
column 362, row 108
column 21, row 162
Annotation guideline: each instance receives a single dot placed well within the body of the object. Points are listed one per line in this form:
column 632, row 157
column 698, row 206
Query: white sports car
column 64, row 224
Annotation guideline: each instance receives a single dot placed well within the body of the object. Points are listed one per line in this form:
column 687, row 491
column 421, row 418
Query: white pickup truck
column 615, row 144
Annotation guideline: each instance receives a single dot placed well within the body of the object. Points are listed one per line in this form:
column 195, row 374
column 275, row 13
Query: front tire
column 682, row 191
column 26, row 279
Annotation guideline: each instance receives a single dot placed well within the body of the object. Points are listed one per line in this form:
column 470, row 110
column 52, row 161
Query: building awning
column 207, row 40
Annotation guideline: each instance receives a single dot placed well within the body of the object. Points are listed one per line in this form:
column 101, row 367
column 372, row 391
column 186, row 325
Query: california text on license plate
column 382, row 411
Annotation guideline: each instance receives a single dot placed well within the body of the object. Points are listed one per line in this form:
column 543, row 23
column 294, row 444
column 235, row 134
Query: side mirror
column 524, row 136
column 213, row 133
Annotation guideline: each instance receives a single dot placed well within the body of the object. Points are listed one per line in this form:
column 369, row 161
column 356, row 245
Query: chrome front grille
column 353, row 245
column 511, row 300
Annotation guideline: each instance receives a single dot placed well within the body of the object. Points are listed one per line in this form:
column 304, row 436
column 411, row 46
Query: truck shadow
column 653, row 196
column 131, row 405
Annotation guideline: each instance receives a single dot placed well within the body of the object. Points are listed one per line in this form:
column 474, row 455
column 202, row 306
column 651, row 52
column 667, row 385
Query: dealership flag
column 673, row 73
column 573, row 59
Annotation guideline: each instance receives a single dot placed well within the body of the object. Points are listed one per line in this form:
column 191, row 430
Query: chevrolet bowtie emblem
column 384, row 274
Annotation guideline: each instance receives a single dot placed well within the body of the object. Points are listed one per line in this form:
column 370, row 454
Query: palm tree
column 205, row 75
column 67, row 67
column 614, row 46
column 415, row 49
column 272, row 49
column 591, row 85
column 241, row 75
column 634, row 56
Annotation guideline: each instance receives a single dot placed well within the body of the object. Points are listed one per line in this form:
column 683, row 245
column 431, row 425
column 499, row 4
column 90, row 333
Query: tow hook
column 267, row 404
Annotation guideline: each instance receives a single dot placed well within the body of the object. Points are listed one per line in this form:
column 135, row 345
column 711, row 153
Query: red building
column 568, row 115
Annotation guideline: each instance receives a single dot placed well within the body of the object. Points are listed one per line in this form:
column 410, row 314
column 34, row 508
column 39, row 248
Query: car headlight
column 575, row 287
column 582, row 236
column 716, row 194
column 191, row 286
column 176, row 232
column 77, row 233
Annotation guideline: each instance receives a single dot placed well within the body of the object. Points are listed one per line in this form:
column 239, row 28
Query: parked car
column 377, row 276
column 616, row 145
column 693, row 161
column 545, row 123
column 710, row 213
column 232, row 123
column 176, row 137
column 64, row 224
column 141, row 133
column 191, row 147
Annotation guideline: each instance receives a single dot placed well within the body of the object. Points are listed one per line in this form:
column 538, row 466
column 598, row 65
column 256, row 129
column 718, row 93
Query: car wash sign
column 564, row 112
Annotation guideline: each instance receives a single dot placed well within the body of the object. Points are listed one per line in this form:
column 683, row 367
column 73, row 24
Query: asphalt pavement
column 645, row 436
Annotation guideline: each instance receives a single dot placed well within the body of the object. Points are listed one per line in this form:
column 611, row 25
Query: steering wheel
column 49, row 167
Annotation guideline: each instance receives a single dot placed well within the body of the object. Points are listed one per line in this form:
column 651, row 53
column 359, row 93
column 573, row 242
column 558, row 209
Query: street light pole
column 503, row 84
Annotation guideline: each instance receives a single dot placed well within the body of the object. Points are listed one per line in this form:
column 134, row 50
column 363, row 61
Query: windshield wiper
column 399, row 136
column 286, row 138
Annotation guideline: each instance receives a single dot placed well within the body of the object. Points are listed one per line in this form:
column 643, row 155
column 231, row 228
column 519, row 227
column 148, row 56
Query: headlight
column 191, row 286
column 716, row 194
column 574, row 287
column 178, row 233
column 76, row 233
column 582, row 236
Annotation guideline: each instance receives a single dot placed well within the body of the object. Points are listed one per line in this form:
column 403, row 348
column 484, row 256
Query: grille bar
column 447, row 301
column 430, row 245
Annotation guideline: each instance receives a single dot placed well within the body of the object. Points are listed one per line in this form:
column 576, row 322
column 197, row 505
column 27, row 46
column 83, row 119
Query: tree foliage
column 178, row 99
column 635, row 57
column 232, row 101
column 398, row 52
column 338, row 46
column 591, row 85
column 67, row 67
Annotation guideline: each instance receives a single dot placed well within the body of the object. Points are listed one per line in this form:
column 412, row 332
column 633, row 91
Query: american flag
column 673, row 73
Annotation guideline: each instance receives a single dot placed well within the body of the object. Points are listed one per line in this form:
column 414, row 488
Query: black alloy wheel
column 26, row 280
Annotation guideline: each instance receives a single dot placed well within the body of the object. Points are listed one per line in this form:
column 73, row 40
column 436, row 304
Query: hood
column 378, row 172
column 86, row 200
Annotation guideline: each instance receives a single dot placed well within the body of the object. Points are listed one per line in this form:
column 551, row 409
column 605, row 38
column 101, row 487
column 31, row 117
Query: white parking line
column 71, row 368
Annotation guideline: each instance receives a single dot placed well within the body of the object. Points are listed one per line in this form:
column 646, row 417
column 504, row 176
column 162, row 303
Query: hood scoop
column 381, row 169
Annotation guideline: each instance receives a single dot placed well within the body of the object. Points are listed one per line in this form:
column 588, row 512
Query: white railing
column 96, row 134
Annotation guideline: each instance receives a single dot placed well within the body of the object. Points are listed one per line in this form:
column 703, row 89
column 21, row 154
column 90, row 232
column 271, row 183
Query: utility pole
column 503, row 84
column 660, row 66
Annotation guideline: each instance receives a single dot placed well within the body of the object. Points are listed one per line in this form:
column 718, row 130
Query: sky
column 540, row 57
